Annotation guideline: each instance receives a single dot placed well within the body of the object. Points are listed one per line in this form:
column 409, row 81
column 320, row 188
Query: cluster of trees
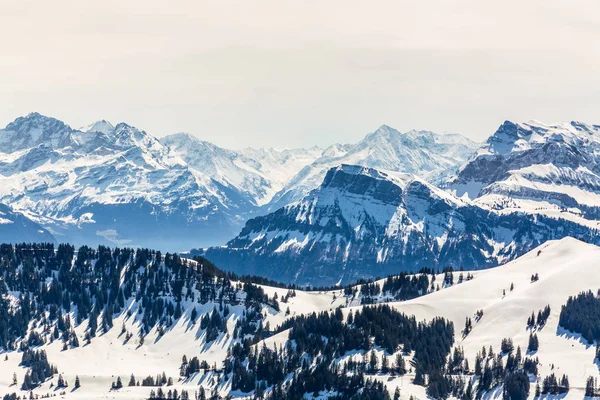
column 507, row 346
column 194, row 365
column 170, row 395
column 97, row 283
column 591, row 387
column 534, row 343
column 542, row 317
column 403, row 286
column 491, row 370
column 398, row 287
column 39, row 368
column 516, row 386
column 581, row 315
column 552, row 385
column 316, row 340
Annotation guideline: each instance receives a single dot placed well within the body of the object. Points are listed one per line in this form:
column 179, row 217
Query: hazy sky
column 300, row 73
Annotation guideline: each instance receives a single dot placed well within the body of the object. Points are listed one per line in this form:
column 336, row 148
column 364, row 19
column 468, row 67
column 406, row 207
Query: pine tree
column 400, row 365
column 469, row 391
column 590, row 387
column 397, row 394
column 77, row 382
column 384, row 364
column 373, row 361
column 533, row 343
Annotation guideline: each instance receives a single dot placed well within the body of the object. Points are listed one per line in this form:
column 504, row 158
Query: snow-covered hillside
column 565, row 268
column 499, row 301
column 423, row 153
column 158, row 309
column 537, row 168
column 364, row 223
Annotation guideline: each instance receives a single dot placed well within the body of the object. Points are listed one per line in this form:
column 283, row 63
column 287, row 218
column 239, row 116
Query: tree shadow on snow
column 562, row 332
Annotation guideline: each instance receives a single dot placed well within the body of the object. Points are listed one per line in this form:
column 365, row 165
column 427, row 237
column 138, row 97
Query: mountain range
column 528, row 183
column 118, row 185
column 363, row 223
column 393, row 201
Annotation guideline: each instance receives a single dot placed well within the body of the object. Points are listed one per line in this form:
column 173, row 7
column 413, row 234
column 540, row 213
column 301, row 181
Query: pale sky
column 300, row 73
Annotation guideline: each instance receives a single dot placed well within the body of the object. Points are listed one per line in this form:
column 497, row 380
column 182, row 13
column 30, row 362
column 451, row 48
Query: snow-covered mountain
column 423, row 153
column 116, row 184
column 537, row 168
column 17, row 228
column 113, row 185
column 363, row 223
column 256, row 173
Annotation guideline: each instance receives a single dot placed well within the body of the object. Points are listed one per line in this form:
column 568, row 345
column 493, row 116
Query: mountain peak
column 346, row 175
column 383, row 130
column 33, row 130
column 35, row 119
column 102, row 126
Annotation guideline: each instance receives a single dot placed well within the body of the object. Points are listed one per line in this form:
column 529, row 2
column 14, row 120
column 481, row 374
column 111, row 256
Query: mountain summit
column 423, row 153
column 537, row 168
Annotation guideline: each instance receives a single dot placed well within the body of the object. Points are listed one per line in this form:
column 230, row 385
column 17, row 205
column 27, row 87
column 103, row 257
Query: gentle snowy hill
column 565, row 268
column 537, row 168
column 363, row 223
column 423, row 153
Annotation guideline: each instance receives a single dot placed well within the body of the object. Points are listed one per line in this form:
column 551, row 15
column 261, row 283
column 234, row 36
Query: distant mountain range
column 391, row 201
column 118, row 185
column 363, row 223
column 424, row 153
column 528, row 183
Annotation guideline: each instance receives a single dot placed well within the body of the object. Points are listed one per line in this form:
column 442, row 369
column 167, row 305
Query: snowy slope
column 537, row 168
column 364, row 223
column 257, row 173
column 110, row 354
column 566, row 268
column 424, row 153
